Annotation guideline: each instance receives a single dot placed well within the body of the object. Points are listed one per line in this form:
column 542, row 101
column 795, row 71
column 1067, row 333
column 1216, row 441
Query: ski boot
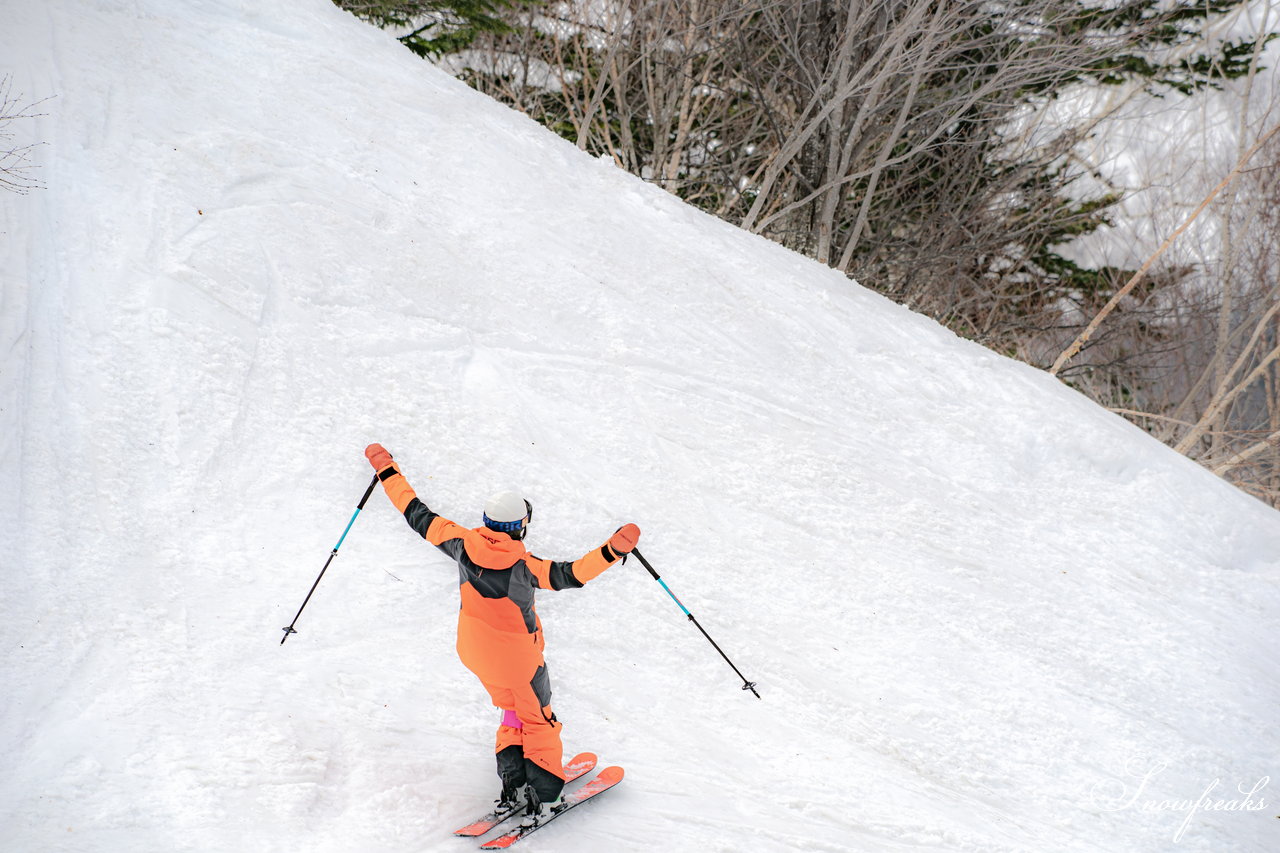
column 538, row 811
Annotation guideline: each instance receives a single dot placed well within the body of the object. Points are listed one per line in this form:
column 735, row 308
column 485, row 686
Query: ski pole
column 746, row 685
column 332, row 554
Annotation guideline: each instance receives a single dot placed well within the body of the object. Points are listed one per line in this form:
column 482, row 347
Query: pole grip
column 645, row 563
column 372, row 485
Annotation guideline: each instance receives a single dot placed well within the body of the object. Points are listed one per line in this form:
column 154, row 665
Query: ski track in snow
column 972, row 600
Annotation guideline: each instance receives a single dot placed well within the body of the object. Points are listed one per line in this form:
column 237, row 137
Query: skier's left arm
column 560, row 574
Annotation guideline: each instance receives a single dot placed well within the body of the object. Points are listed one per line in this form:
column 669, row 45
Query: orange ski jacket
column 499, row 632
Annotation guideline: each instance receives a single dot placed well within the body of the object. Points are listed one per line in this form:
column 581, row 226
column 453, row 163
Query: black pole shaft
column 746, row 685
column 289, row 630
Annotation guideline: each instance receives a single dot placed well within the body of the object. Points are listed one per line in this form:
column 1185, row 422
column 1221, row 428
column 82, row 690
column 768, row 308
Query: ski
column 608, row 777
column 579, row 765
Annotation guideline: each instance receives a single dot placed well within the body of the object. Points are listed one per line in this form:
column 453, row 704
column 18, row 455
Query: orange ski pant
column 539, row 731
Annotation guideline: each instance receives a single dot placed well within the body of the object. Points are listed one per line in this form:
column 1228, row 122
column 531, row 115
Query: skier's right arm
column 426, row 523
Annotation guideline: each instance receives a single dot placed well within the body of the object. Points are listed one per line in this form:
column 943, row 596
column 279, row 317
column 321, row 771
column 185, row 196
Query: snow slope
column 983, row 614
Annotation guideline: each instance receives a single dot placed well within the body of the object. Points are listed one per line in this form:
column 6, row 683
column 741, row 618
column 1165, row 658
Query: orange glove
column 378, row 456
column 625, row 539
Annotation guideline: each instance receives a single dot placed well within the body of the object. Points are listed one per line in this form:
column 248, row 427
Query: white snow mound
column 983, row 613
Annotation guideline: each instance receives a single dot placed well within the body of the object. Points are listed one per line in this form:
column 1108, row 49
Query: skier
column 499, row 633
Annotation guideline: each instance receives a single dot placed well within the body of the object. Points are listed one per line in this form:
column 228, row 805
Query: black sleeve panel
column 457, row 549
column 419, row 516
column 562, row 577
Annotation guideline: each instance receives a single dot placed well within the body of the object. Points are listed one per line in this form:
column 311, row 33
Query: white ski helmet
column 508, row 512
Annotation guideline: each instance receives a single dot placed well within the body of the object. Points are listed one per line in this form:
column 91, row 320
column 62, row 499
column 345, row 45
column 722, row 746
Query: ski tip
column 588, row 758
column 579, row 766
column 611, row 774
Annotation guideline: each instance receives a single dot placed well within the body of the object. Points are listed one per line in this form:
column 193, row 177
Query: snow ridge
column 983, row 614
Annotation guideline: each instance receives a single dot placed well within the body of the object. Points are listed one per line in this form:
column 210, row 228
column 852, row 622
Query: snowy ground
column 983, row 614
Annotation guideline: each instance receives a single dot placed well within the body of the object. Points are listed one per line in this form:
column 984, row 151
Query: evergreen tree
column 436, row 27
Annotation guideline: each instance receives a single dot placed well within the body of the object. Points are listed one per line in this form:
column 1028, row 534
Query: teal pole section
column 670, row 593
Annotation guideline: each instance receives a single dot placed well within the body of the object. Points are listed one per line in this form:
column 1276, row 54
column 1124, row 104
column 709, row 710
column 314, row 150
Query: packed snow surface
column 983, row 613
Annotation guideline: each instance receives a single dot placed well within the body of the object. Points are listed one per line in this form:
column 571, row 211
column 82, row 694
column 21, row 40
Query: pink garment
column 509, row 718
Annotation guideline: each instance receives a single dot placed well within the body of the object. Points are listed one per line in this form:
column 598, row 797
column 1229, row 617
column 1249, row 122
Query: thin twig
column 1071, row 351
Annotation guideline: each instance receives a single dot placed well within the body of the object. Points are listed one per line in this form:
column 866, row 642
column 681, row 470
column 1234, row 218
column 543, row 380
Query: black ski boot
column 537, row 810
